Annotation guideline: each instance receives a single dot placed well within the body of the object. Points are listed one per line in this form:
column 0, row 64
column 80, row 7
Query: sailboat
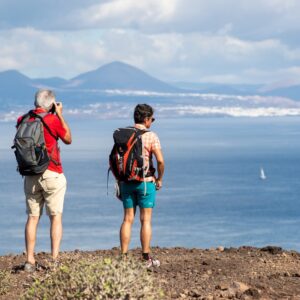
column 262, row 174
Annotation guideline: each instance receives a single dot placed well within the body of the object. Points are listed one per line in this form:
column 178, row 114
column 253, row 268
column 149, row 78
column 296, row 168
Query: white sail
column 262, row 174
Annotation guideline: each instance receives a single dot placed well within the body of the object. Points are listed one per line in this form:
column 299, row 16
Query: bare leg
column 55, row 234
column 125, row 230
column 30, row 237
column 146, row 229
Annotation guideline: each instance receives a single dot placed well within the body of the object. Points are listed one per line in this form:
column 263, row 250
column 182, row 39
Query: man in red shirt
column 47, row 189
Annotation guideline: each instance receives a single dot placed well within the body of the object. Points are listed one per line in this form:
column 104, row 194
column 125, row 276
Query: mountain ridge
column 17, row 88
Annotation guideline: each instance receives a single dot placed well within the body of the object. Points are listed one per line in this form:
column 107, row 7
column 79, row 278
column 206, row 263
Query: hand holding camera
column 57, row 108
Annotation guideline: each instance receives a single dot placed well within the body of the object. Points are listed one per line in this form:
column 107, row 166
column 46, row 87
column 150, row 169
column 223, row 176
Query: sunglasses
column 152, row 119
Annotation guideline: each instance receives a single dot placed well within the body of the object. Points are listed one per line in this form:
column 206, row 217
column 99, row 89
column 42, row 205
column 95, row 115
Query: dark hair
column 141, row 112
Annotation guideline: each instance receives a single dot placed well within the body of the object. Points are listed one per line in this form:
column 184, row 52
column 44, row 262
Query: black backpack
column 126, row 158
column 29, row 144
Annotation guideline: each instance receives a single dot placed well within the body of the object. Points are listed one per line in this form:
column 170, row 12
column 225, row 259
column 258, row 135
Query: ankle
column 54, row 257
column 30, row 260
column 146, row 256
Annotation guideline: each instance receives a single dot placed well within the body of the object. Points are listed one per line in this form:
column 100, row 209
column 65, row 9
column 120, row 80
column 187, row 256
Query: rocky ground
column 230, row 273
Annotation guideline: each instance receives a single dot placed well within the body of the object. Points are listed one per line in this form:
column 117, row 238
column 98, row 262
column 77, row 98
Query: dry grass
column 107, row 278
column 5, row 280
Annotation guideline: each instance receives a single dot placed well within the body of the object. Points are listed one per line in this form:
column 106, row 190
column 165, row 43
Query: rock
column 238, row 288
column 252, row 292
column 286, row 274
column 272, row 249
column 205, row 276
column 225, row 295
column 245, row 297
column 194, row 294
column 222, row 286
column 220, row 248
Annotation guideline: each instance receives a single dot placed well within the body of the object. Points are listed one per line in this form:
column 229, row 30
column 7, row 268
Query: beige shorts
column 49, row 189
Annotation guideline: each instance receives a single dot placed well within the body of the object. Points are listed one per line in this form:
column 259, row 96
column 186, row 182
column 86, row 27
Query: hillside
column 230, row 273
column 118, row 75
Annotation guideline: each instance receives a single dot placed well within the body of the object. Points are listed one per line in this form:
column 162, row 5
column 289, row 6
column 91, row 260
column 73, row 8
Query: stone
column 222, row 286
column 252, row 292
column 220, row 248
column 194, row 294
column 239, row 287
column 272, row 249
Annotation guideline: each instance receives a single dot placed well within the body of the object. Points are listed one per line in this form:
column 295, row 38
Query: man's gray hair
column 44, row 99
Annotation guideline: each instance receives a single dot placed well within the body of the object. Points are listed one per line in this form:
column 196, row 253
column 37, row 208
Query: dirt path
column 243, row 273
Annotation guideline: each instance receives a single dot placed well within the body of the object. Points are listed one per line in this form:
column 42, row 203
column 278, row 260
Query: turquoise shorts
column 135, row 193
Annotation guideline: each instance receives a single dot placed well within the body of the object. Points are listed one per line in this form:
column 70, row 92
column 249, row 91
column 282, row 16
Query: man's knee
column 129, row 219
column 55, row 218
column 145, row 222
column 145, row 215
column 33, row 219
column 129, row 215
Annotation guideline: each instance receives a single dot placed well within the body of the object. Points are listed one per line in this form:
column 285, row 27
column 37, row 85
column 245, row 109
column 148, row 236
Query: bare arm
column 160, row 167
column 67, row 139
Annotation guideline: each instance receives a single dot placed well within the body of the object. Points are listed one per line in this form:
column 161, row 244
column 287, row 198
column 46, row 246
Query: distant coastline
column 112, row 90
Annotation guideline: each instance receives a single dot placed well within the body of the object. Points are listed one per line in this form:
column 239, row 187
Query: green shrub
column 4, row 281
column 106, row 278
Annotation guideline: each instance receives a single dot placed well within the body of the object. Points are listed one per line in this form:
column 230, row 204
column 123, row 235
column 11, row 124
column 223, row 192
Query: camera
column 52, row 110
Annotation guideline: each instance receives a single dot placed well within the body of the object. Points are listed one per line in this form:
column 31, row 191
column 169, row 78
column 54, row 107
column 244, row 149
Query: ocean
column 212, row 194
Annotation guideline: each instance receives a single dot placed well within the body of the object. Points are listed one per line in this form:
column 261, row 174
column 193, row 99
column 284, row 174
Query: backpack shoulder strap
column 22, row 119
column 41, row 117
column 138, row 132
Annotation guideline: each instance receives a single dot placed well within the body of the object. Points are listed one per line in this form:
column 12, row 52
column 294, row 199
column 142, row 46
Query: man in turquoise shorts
column 142, row 193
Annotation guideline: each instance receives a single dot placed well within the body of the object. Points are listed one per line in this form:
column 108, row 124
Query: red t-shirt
column 58, row 131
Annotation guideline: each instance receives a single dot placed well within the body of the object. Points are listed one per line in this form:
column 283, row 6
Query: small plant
column 107, row 278
column 4, row 281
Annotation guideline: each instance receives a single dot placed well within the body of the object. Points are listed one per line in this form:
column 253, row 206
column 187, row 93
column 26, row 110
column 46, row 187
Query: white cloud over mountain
column 196, row 40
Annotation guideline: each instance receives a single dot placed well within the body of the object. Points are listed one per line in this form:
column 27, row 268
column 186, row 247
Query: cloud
column 174, row 40
column 89, row 14
column 129, row 13
column 43, row 54
column 173, row 56
column 249, row 19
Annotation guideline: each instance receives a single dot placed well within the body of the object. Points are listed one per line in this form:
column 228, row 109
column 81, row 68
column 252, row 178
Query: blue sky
column 224, row 41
